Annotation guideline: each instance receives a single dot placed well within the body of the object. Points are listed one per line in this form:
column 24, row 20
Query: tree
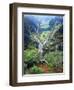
column 36, row 37
column 32, row 34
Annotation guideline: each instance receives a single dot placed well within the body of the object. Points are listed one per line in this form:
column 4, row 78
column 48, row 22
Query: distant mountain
column 55, row 21
column 35, row 24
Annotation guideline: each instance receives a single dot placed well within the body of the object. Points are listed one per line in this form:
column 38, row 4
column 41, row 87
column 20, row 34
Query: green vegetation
column 54, row 59
column 43, row 36
column 43, row 45
column 31, row 54
column 36, row 70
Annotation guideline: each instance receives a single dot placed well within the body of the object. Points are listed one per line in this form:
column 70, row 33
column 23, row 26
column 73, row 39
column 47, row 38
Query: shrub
column 36, row 70
column 31, row 54
column 54, row 59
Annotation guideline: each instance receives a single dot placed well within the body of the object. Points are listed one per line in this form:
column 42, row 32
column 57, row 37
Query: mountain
column 55, row 21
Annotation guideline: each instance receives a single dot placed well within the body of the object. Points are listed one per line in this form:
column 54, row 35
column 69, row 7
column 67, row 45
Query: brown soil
column 58, row 70
column 46, row 69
